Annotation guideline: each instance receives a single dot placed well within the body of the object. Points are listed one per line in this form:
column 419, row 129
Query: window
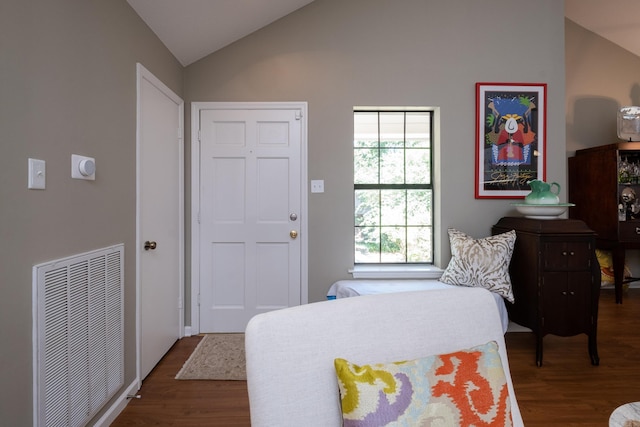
column 392, row 152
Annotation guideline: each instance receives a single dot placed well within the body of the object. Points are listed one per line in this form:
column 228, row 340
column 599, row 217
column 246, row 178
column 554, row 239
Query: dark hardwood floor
column 566, row 391
column 166, row 401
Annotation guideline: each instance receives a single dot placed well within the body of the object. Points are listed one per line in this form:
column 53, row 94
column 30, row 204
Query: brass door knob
column 150, row 245
column 293, row 234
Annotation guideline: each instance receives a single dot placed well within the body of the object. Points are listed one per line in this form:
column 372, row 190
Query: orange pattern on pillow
column 470, row 390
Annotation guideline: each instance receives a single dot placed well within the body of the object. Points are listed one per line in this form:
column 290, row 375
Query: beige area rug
column 216, row 357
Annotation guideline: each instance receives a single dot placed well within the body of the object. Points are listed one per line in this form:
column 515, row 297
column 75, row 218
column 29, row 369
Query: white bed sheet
column 357, row 287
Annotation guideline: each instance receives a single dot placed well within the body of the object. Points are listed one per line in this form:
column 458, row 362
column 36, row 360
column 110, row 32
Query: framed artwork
column 510, row 138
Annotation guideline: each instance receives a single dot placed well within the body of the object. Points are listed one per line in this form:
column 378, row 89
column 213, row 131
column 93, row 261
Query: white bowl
column 530, row 210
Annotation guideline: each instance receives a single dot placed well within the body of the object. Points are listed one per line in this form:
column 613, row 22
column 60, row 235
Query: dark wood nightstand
column 555, row 277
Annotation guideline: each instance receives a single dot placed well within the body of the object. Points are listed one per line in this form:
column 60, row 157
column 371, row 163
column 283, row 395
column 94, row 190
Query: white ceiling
column 616, row 20
column 192, row 29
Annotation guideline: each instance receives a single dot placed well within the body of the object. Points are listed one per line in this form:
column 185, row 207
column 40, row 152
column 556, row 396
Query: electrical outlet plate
column 317, row 186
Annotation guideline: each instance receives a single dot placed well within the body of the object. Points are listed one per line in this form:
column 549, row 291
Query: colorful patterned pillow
column 481, row 262
column 606, row 269
column 465, row 388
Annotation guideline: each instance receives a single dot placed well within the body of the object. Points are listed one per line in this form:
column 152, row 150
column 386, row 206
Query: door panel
column 250, row 185
column 159, row 214
column 274, row 291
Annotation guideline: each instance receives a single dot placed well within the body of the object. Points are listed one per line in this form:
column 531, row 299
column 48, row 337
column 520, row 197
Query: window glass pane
column 418, row 167
column 419, row 244
column 418, row 133
column 367, row 241
column 392, row 166
column 367, row 204
column 419, row 207
column 392, row 129
column 365, row 129
column 365, row 166
column 392, row 144
column 393, row 244
column 393, row 207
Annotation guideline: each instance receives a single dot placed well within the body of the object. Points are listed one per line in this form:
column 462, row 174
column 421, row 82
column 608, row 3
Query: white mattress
column 357, row 287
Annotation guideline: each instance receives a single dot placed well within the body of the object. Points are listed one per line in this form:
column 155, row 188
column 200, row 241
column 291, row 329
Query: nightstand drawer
column 566, row 256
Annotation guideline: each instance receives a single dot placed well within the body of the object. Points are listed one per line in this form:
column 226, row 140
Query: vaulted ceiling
column 192, row 29
column 616, row 20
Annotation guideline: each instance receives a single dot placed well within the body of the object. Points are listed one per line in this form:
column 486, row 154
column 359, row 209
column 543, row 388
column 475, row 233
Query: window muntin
column 393, row 186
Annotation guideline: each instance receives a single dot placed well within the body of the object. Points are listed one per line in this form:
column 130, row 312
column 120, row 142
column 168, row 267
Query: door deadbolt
column 293, row 217
column 293, row 234
column 150, row 245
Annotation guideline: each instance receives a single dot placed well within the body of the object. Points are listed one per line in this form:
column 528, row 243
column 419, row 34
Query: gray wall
column 67, row 85
column 601, row 77
column 338, row 54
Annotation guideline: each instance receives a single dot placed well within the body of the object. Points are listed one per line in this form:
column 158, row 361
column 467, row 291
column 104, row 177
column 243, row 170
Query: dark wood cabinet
column 555, row 277
column 600, row 179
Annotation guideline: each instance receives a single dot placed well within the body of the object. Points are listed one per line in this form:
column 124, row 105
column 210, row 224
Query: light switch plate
column 37, row 174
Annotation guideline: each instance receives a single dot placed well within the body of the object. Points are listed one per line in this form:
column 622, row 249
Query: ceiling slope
column 615, row 20
column 192, row 29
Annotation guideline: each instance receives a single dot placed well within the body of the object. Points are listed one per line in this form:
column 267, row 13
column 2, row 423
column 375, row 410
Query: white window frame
column 412, row 270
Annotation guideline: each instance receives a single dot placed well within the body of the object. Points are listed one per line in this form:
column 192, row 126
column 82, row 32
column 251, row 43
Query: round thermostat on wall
column 83, row 167
column 87, row 167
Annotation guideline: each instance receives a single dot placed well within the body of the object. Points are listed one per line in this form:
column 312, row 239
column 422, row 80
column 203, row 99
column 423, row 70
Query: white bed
column 357, row 287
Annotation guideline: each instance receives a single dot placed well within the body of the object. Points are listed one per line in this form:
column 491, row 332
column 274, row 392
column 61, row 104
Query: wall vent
column 78, row 336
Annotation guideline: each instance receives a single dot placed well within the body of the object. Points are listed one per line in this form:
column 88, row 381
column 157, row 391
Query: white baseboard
column 117, row 406
column 187, row 331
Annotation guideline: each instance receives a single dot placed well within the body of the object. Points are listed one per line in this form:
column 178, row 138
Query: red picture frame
column 510, row 138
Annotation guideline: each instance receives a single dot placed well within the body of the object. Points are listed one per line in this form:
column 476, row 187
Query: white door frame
column 196, row 107
column 144, row 74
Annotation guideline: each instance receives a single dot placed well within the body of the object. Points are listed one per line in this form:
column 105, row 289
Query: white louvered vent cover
column 78, row 336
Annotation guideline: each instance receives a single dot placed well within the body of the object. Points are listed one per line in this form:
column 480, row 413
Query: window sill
column 396, row 272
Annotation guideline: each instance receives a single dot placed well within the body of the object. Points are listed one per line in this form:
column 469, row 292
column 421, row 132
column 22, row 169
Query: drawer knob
column 637, row 230
column 564, row 253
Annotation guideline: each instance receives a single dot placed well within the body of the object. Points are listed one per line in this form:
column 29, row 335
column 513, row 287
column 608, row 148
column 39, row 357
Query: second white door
column 160, row 219
column 250, row 214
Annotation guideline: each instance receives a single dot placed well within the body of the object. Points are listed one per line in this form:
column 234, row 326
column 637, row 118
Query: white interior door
column 159, row 220
column 251, row 214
